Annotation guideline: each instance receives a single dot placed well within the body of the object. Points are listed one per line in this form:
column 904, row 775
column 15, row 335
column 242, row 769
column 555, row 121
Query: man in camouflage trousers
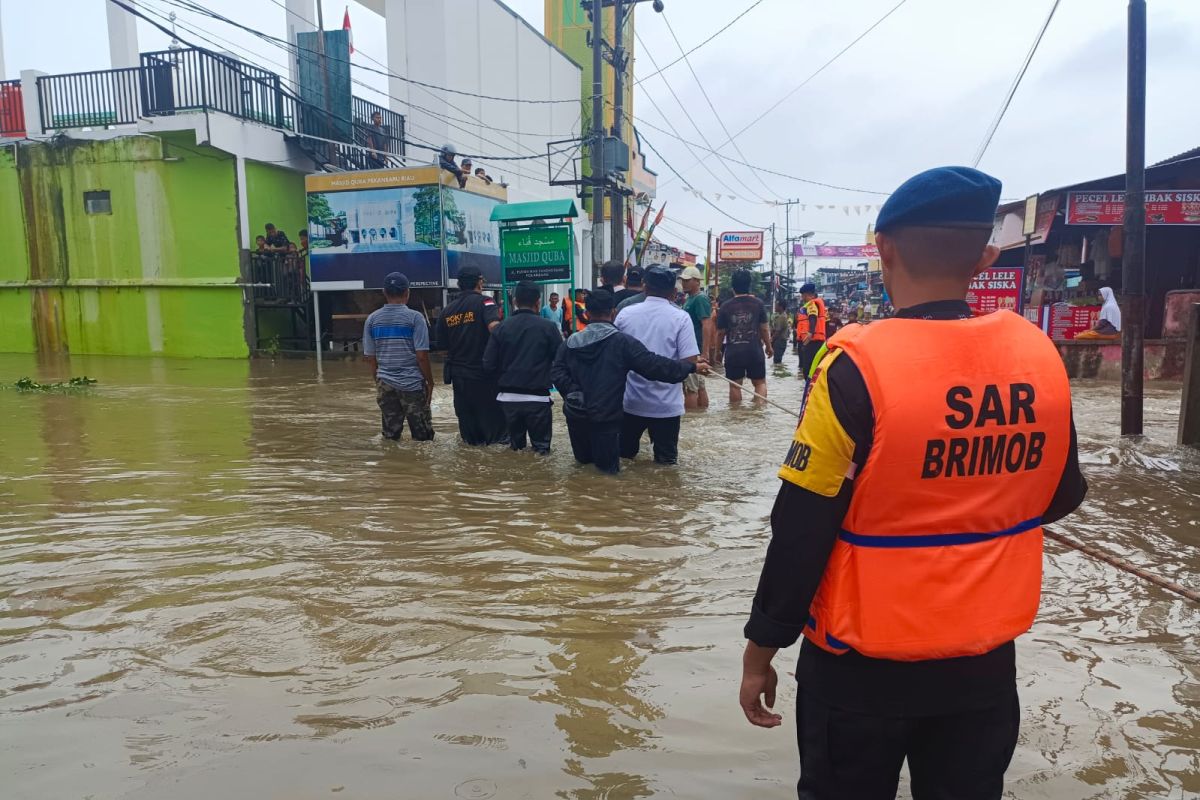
column 396, row 345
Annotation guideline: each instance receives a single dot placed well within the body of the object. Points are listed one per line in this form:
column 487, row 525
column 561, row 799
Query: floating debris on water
column 76, row 384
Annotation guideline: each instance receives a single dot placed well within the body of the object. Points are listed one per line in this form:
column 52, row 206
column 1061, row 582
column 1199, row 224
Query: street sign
column 541, row 253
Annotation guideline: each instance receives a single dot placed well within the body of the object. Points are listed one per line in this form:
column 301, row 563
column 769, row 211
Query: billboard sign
column 1067, row 322
column 995, row 289
column 835, row 251
column 1176, row 207
column 740, row 246
column 364, row 225
column 541, row 253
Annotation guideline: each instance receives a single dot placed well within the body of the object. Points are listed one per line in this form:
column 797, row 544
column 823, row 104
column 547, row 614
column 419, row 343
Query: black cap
column 600, row 301
column 469, row 276
column 660, row 277
column 808, row 288
column 395, row 283
column 633, row 275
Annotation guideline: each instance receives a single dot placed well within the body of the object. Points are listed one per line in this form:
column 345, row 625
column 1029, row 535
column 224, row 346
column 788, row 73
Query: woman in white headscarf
column 1109, row 324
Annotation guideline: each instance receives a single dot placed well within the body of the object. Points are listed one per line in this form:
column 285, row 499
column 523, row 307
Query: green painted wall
column 173, row 222
column 275, row 195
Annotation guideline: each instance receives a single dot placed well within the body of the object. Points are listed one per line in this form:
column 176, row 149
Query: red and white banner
column 1176, row 207
column 740, row 246
column 994, row 289
column 835, row 251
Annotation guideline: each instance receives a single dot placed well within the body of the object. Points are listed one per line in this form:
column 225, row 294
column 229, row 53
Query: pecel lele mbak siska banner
column 363, row 225
column 997, row 288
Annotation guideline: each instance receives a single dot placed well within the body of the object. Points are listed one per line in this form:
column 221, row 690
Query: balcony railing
column 279, row 279
column 171, row 82
column 12, row 112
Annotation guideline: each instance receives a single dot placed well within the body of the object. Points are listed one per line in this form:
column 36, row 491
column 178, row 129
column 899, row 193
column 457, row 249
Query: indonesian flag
column 346, row 27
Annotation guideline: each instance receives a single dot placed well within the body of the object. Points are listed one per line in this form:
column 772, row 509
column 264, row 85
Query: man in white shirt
column 650, row 405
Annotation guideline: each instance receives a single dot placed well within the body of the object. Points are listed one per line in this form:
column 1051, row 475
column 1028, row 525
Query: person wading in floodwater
column 519, row 355
column 906, row 540
column 465, row 326
column 396, row 346
column 589, row 372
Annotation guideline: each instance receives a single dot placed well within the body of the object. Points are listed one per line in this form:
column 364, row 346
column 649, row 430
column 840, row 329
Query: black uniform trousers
column 596, row 443
column 529, row 417
column 808, row 352
column 850, row 756
column 664, row 436
column 480, row 418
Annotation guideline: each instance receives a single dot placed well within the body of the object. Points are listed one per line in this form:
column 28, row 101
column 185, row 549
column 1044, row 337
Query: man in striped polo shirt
column 396, row 345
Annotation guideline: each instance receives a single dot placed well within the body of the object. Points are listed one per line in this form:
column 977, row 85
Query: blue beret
column 944, row 196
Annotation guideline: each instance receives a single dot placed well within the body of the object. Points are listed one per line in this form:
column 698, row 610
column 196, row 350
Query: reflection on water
column 216, row 580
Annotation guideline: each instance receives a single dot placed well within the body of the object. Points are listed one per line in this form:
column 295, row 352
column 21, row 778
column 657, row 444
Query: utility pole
column 774, row 274
column 616, row 213
column 1133, row 262
column 597, row 160
column 787, row 239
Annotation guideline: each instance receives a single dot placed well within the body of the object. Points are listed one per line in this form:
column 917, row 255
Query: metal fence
column 182, row 81
column 94, row 99
column 284, row 279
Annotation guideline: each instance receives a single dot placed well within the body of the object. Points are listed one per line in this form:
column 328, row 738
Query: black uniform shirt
column 804, row 527
column 463, row 326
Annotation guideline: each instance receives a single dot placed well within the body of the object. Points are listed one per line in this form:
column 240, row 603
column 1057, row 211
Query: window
column 97, row 202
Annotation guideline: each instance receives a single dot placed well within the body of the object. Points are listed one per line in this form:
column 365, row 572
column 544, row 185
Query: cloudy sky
column 919, row 90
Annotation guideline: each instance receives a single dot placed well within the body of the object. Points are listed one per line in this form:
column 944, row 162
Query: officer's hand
column 703, row 367
column 807, row 338
column 756, row 685
column 770, row 351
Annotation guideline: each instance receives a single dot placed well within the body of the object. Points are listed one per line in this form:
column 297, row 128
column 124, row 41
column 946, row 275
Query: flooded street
column 217, row 581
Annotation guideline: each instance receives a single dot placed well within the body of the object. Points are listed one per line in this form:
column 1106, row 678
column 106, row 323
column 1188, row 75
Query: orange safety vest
column 940, row 552
column 821, row 315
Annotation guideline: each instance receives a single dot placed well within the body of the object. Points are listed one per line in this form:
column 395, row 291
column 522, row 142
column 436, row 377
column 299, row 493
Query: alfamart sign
column 740, row 246
column 541, row 254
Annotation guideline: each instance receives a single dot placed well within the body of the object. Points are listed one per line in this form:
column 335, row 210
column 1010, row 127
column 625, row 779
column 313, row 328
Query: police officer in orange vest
column 906, row 542
column 812, row 335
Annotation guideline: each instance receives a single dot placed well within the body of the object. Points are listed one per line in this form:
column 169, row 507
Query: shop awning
column 542, row 209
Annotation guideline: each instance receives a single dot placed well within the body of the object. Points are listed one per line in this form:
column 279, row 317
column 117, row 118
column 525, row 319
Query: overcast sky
column 918, row 91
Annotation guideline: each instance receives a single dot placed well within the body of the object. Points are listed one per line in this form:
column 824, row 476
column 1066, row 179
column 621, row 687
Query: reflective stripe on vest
column 940, row 552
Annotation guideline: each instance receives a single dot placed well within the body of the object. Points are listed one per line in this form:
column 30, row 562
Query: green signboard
column 542, row 253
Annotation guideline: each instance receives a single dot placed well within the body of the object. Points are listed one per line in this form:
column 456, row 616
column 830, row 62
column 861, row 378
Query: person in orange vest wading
column 906, row 538
column 812, row 334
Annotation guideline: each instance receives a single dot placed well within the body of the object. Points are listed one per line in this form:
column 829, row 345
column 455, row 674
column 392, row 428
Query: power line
column 754, row 166
column 711, row 106
column 417, row 143
column 987, row 139
column 726, row 27
column 409, row 123
column 718, row 209
column 806, row 81
column 671, row 125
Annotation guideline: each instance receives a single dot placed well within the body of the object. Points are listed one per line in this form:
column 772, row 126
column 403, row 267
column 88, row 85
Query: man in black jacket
column 464, row 327
column 590, row 372
column 519, row 354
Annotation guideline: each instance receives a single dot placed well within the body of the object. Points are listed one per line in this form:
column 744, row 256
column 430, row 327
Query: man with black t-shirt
column 465, row 326
column 742, row 325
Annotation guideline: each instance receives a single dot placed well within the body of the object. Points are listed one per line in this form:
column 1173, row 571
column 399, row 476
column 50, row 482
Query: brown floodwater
column 217, row 581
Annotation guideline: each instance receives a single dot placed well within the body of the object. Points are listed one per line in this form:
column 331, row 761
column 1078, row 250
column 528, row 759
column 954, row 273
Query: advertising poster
column 835, row 251
column 1175, row 207
column 740, row 246
column 361, row 228
column 1067, row 322
column 472, row 239
column 995, row 289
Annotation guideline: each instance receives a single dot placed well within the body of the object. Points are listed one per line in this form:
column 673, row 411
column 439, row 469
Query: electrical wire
column 409, row 123
column 716, row 207
column 726, row 27
column 692, row 119
column 987, row 139
column 711, row 106
column 638, row 122
column 807, row 80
